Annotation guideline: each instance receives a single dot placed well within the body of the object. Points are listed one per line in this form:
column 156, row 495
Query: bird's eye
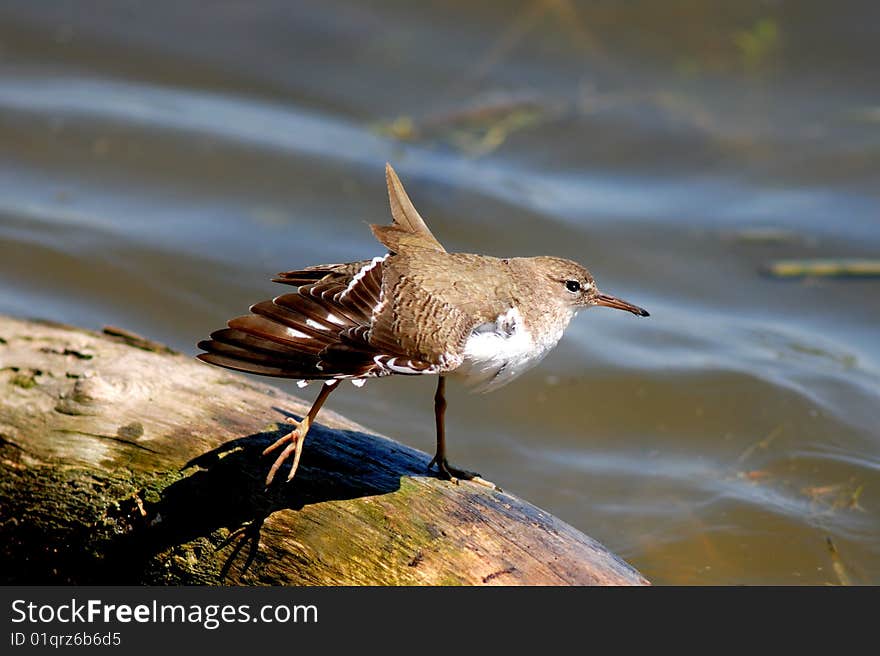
column 572, row 286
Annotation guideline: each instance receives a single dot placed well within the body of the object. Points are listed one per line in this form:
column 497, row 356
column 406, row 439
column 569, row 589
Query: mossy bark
column 124, row 463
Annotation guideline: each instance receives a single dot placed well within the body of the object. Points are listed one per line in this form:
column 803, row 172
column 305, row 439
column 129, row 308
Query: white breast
column 499, row 351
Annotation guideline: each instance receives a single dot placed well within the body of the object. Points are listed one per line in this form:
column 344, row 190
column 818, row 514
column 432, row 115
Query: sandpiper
column 417, row 310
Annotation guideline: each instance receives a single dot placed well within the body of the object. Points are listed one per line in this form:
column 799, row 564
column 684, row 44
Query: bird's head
column 574, row 286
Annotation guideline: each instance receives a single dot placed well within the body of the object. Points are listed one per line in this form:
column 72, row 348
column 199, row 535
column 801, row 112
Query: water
column 158, row 163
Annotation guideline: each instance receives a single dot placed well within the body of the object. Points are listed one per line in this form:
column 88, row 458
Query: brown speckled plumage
column 417, row 310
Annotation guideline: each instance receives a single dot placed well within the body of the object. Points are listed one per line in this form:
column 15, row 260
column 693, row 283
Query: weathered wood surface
column 122, row 462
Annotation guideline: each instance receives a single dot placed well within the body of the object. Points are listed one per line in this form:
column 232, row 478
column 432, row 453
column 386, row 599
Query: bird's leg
column 297, row 436
column 440, row 418
column 444, row 471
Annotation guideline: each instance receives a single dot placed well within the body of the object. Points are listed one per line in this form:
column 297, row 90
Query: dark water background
column 160, row 161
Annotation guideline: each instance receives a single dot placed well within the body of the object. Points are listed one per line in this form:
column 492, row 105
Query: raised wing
column 408, row 229
column 339, row 323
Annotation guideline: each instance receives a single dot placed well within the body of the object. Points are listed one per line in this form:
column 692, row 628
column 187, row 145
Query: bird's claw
column 453, row 474
column 295, row 440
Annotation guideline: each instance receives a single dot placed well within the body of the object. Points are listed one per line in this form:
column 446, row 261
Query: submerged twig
column 762, row 444
column 837, row 563
column 826, row 268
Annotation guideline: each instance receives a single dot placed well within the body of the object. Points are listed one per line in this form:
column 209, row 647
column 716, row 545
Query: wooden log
column 122, row 462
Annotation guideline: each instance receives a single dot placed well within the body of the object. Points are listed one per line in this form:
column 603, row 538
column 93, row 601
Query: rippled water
column 158, row 163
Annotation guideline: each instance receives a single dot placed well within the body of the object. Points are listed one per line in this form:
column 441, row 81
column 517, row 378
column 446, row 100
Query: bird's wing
column 321, row 331
column 433, row 301
column 339, row 323
column 408, row 229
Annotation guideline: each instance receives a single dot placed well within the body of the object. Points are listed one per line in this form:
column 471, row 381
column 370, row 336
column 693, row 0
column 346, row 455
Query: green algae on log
column 129, row 465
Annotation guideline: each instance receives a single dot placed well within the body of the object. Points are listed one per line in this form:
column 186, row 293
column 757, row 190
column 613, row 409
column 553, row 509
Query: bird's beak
column 619, row 304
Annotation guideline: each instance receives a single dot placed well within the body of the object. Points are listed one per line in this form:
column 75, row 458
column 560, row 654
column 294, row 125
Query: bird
column 416, row 310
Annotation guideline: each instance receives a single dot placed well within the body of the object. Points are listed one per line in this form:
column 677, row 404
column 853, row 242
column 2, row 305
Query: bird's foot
column 294, row 441
column 453, row 474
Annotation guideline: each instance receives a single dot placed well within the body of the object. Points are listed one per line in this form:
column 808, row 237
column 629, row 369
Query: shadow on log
column 122, row 462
